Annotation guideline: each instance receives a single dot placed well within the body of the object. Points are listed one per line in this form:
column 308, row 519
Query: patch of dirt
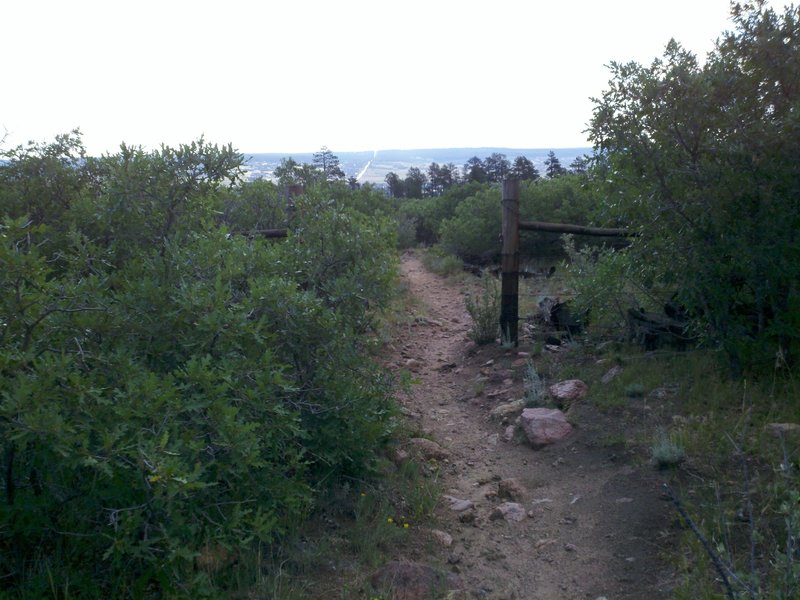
column 597, row 522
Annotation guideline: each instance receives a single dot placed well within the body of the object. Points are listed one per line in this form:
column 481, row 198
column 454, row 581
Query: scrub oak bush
column 168, row 387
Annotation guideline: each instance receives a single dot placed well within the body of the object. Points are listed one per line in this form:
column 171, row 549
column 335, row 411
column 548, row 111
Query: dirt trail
column 596, row 519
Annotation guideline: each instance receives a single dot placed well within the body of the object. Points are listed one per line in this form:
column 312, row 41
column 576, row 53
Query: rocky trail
column 578, row 518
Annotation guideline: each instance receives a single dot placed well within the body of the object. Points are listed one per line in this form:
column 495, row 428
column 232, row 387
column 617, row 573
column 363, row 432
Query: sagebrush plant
column 666, row 451
column 484, row 308
column 535, row 389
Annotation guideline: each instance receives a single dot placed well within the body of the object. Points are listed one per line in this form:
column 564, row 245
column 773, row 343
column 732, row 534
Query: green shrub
column 178, row 391
column 700, row 158
column 484, row 308
column 473, row 233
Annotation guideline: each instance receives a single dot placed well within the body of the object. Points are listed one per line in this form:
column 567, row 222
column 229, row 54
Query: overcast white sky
column 294, row 75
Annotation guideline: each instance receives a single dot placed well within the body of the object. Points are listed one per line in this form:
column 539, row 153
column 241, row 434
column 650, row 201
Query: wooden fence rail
column 509, row 257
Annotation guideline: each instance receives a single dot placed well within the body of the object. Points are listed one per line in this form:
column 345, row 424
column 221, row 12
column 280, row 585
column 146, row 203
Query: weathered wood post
column 509, row 263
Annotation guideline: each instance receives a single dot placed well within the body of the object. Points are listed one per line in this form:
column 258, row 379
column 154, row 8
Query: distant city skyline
column 354, row 75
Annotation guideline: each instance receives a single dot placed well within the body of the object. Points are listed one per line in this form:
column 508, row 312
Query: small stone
column 567, row 392
column 442, row 537
column 467, row 517
column 570, row 547
column 509, row 408
column 510, row 511
column 509, row 433
column 412, row 364
column 457, row 504
column 510, row 489
column 428, row 449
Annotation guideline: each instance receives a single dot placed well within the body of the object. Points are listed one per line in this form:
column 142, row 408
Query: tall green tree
column 395, row 185
column 441, row 177
column 414, row 183
column 524, row 169
column 579, row 166
column 497, row 167
column 553, row 167
column 474, row 170
column 327, row 163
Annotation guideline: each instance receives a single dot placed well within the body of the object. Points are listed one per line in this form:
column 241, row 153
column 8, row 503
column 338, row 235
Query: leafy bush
column 430, row 213
column 701, row 159
column 169, row 390
column 473, row 232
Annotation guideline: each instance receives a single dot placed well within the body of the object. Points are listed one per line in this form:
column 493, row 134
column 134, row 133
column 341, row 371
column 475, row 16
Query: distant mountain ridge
column 372, row 166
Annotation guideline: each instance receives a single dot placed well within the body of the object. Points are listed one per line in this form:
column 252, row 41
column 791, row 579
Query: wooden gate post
column 509, row 263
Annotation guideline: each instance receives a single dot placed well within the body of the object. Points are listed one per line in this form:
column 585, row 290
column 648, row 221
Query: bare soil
column 598, row 524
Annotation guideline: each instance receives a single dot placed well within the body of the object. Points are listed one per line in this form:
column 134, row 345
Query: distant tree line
column 493, row 169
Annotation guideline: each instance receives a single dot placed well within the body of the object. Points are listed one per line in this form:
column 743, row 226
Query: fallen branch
column 715, row 558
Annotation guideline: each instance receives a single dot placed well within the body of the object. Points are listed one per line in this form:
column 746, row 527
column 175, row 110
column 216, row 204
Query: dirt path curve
column 594, row 517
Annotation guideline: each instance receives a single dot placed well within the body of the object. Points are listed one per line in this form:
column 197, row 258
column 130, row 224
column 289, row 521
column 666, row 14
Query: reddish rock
column 544, row 426
column 566, row 392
